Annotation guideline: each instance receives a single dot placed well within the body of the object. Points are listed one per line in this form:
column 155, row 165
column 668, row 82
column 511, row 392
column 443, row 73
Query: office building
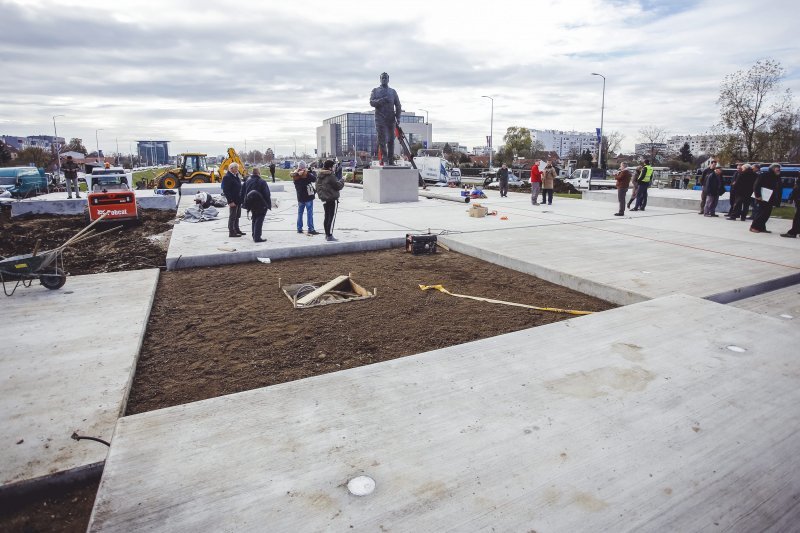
column 454, row 145
column 153, row 152
column 45, row 142
column 566, row 143
column 343, row 134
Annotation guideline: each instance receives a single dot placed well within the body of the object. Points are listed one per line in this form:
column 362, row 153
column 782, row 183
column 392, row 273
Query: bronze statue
column 387, row 114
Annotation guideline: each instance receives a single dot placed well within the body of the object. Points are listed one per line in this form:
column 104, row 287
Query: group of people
column 641, row 179
column 749, row 188
column 541, row 181
column 254, row 195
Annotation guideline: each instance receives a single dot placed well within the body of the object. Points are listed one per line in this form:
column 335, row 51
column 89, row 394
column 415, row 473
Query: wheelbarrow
column 46, row 266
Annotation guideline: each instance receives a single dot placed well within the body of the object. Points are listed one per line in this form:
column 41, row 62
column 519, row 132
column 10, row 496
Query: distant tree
column 5, row 154
column 415, row 148
column 463, row 158
column 750, row 100
column 612, row 143
column 573, row 154
column 653, row 136
column 269, row 155
column 538, row 151
column 74, row 145
column 447, row 150
column 585, row 160
column 780, row 143
column 686, row 153
column 38, row 156
column 518, row 141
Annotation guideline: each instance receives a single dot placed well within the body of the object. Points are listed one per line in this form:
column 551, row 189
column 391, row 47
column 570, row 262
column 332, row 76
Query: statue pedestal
column 384, row 185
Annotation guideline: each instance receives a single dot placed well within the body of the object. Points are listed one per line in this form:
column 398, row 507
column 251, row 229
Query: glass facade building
column 356, row 131
column 153, row 152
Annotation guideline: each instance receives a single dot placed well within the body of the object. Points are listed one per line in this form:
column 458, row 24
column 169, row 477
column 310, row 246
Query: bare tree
column 612, row 142
column 655, row 137
column 750, row 100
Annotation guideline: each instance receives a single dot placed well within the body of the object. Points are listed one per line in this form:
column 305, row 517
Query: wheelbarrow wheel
column 53, row 281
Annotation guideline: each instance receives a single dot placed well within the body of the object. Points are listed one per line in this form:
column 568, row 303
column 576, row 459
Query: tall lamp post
column 58, row 149
column 97, row 143
column 426, row 114
column 491, row 131
column 602, row 111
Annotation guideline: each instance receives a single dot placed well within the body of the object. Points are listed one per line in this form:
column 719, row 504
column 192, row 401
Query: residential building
column 698, row 144
column 44, row 142
column 153, row 152
column 565, row 143
column 481, row 150
column 646, row 149
column 454, row 145
column 345, row 133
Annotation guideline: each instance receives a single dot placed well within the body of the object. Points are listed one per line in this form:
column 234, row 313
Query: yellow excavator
column 193, row 168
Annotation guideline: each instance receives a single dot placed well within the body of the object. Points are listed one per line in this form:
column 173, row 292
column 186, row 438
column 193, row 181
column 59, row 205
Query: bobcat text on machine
column 110, row 194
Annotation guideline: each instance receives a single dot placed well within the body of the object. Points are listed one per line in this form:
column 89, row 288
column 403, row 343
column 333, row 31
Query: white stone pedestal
column 391, row 184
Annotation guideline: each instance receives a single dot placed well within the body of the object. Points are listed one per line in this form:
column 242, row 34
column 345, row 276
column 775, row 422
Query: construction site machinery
column 110, row 197
column 193, row 168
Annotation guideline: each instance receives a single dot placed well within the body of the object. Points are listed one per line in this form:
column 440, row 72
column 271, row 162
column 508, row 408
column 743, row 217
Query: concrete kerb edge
column 598, row 290
column 13, row 492
column 249, row 256
column 129, row 382
column 757, row 289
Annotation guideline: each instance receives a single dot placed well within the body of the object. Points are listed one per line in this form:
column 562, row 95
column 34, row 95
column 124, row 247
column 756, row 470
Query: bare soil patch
column 216, row 331
column 62, row 509
column 130, row 248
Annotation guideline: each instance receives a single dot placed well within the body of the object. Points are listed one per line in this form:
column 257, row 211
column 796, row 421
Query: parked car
column 22, row 182
column 490, row 180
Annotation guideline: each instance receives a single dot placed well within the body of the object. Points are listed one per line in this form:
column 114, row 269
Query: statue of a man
column 387, row 112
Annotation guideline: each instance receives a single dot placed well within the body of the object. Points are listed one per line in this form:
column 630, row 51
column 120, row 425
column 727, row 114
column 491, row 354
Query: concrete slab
column 610, row 422
column 66, row 365
column 576, row 243
column 57, row 203
column 677, row 198
column 782, row 303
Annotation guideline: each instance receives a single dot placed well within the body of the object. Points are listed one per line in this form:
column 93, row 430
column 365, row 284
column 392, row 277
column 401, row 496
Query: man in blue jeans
column 304, row 186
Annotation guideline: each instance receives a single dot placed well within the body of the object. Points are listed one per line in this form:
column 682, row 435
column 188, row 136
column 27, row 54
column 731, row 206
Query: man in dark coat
column 232, row 189
column 741, row 191
column 502, row 179
column 259, row 206
column 623, row 178
column 711, row 188
column 707, row 172
column 70, row 169
column 794, row 197
column 767, row 191
column 272, row 170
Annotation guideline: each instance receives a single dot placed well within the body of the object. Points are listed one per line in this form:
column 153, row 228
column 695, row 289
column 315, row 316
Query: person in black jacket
column 232, row 189
column 707, row 172
column 741, row 191
column 502, row 179
column 70, row 169
column 795, row 197
column 272, row 170
column 259, row 205
column 711, row 188
column 767, row 191
column 328, row 187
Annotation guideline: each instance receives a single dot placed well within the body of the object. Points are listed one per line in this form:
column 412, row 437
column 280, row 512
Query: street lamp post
column 97, row 143
column 426, row 114
column 602, row 111
column 491, row 131
column 58, row 148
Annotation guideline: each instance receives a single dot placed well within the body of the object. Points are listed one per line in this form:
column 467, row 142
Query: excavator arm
column 233, row 157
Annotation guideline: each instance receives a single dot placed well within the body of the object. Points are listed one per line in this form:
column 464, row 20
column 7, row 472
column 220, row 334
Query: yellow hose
column 491, row 301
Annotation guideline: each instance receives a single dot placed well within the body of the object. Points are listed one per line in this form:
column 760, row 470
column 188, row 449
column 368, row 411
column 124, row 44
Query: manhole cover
column 361, row 486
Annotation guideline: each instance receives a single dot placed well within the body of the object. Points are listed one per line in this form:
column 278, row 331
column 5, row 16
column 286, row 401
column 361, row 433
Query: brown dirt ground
column 217, row 331
column 193, row 350
column 63, row 509
column 126, row 249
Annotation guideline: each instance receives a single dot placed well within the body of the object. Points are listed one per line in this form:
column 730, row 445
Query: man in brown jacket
column 623, row 178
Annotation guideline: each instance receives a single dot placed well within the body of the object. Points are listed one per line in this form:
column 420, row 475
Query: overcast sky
column 207, row 75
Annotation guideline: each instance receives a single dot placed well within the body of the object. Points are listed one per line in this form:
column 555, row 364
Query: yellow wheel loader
column 193, row 168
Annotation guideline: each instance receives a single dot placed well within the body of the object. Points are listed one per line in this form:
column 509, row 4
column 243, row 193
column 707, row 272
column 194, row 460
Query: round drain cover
column 361, row 486
column 737, row 349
